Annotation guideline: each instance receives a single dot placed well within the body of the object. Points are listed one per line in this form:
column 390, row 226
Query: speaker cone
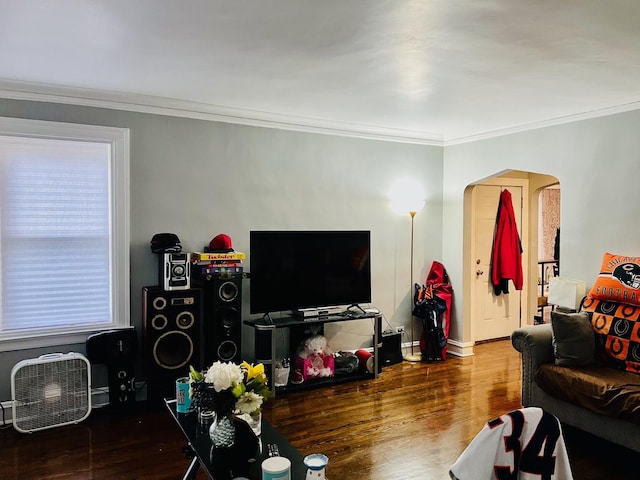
column 173, row 350
column 185, row 320
column 228, row 291
column 159, row 303
column 227, row 350
column 229, row 318
column 159, row 322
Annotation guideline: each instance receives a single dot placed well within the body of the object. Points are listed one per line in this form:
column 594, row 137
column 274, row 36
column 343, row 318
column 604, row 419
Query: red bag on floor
column 439, row 287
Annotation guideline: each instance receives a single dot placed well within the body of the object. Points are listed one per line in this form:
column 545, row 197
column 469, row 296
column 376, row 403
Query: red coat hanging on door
column 506, row 258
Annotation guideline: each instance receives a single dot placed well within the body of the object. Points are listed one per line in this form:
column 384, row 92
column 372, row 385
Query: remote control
column 273, row 450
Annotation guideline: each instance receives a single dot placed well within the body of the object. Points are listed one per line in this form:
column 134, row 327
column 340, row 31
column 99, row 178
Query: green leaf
column 194, row 374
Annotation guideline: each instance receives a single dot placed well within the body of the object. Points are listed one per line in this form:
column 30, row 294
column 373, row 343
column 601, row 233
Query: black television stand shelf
column 265, row 327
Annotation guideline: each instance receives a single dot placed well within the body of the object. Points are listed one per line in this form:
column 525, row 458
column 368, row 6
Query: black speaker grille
column 222, row 318
column 172, row 328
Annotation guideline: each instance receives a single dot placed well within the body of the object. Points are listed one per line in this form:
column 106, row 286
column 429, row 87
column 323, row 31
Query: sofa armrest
column 534, row 342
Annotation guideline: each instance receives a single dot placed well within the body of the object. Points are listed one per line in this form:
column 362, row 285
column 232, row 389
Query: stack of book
column 216, row 263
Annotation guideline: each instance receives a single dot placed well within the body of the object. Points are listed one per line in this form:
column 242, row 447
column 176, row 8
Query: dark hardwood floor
column 411, row 423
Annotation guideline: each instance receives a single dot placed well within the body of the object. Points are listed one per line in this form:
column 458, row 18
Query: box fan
column 50, row 391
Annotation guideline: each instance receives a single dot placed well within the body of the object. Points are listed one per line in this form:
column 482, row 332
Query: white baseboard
column 408, row 344
column 455, row 348
column 460, row 349
column 8, row 412
column 99, row 398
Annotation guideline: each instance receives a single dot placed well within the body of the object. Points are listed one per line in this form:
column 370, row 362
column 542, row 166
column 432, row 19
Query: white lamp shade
column 566, row 292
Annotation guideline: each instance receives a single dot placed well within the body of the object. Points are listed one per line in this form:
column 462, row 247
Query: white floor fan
column 50, row 391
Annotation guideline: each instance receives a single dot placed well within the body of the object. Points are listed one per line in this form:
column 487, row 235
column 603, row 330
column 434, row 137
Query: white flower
column 224, row 375
column 249, row 402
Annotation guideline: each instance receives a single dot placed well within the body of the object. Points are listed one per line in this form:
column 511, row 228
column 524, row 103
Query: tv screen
column 293, row 270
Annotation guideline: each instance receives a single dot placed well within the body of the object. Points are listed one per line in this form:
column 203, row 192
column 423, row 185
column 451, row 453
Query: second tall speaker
column 222, row 317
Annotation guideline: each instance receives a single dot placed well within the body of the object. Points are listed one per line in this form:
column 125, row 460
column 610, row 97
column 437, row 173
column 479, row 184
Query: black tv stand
column 265, row 329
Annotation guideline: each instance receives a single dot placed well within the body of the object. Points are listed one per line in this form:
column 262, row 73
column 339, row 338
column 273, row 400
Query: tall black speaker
column 172, row 333
column 222, row 317
column 117, row 349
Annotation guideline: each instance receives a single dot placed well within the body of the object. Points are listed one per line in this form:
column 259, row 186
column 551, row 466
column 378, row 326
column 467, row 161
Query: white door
column 494, row 316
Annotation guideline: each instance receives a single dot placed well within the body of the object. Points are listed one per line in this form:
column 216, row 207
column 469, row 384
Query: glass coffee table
column 219, row 463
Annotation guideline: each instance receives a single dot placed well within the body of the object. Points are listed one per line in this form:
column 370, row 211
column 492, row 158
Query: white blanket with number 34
column 525, row 444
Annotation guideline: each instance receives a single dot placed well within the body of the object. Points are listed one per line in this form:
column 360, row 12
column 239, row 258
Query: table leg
column 192, row 471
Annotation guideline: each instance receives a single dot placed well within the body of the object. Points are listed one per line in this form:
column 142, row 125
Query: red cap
column 221, row 244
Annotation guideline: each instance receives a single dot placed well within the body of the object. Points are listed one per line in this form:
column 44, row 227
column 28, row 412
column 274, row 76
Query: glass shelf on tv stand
column 271, row 324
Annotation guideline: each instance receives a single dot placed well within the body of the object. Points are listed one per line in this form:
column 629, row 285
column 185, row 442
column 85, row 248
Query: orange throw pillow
column 618, row 280
column 617, row 330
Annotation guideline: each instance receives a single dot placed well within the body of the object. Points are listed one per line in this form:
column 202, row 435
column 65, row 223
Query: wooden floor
column 411, row 423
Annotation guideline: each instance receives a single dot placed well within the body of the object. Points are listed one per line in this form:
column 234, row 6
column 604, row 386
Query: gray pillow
column 573, row 339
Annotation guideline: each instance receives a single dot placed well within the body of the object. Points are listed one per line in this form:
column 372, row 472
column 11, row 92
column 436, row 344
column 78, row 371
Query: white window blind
column 58, row 236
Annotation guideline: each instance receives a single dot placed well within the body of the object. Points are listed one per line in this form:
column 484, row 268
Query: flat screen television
column 295, row 270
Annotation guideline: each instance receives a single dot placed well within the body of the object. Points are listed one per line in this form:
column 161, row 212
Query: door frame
column 505, row 178
column 519, row 188
column 534, row 183
column 500, row 181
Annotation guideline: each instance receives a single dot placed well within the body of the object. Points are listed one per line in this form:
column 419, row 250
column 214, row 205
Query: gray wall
column 199, row 178
column 597, row 162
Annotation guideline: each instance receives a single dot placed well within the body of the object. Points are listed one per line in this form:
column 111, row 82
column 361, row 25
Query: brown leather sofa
column 595, row 398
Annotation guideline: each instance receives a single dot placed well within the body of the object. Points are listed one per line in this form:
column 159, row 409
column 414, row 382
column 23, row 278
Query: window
column 64, row 232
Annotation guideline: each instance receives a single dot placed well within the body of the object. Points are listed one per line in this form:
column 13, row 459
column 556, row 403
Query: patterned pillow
column 618, row 280
column 617, row 330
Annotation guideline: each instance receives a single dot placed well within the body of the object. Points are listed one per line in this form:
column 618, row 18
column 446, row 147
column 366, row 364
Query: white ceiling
column 430, row 71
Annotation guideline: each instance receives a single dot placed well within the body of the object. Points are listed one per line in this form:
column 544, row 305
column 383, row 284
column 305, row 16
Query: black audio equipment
column 222, row 316
column 391, row 349
column 172, row 333
column 175, row 271
column 117, row 349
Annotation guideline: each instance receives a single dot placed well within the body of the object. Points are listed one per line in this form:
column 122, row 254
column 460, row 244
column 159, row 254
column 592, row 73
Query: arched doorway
column 478, row 302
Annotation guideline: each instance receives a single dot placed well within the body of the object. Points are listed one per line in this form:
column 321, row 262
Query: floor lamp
column 407, row 195
column 412, row 357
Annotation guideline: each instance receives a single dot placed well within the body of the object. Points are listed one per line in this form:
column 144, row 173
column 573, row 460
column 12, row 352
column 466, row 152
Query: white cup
column 316, row 464
column 276, row 468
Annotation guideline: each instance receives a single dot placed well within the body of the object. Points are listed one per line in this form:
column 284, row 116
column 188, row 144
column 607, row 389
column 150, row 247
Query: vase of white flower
column 232, row 391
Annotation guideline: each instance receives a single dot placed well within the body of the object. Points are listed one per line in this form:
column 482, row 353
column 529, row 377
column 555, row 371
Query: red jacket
column 506, row 261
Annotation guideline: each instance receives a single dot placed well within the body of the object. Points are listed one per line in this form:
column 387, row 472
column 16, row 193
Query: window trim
column 118, row 138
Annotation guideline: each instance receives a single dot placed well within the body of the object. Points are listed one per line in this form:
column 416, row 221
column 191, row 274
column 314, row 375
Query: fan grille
column 51, row 393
